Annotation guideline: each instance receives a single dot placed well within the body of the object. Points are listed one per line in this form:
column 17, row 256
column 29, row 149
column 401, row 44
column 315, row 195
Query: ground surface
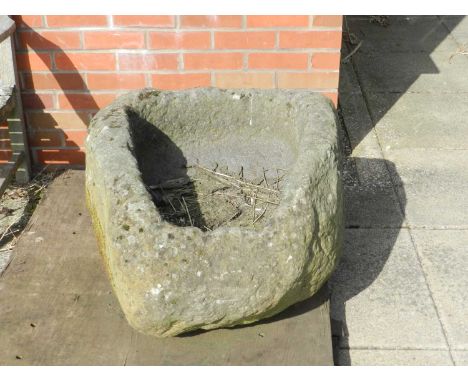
column 57, row 306
column 399, row 296
column 16, row 207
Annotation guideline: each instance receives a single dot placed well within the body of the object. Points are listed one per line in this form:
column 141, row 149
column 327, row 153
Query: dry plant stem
column 234, row 180
column 6, row 231
column 188, row 212
column 347, row 58
column 260, row 216
column 252, row 196
column 461, row 51
column 253, row 207
column 265, row 179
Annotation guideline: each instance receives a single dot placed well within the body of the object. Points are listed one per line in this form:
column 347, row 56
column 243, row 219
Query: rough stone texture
column 171, row 279
column 7, row 102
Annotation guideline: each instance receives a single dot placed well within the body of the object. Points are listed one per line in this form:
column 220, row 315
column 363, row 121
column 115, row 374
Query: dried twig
column 461, row 51
column 260, row 216
column 348, row 57
column 253, row 207
column 233, row 180
column 7, row 230
column 188, row 212
column 172, row 183
column 265, row 179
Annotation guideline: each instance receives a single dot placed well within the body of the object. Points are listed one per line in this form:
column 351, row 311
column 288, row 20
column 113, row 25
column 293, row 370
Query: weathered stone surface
column 170, row 279
column 7, row 102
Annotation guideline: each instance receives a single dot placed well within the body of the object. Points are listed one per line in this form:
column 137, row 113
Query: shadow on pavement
column 392, row 56
column 390, row 60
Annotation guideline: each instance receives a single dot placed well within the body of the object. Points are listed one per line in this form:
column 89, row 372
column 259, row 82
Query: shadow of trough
column 388, row 64
column 374, row 210
column 373, row 216
column 161, row 161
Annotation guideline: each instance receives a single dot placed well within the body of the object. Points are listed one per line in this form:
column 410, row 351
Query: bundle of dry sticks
column 209, row 198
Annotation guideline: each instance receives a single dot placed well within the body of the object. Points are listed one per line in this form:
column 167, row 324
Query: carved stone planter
column 170, row 278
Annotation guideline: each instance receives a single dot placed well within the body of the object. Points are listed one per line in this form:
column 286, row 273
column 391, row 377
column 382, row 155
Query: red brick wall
column 70, row 66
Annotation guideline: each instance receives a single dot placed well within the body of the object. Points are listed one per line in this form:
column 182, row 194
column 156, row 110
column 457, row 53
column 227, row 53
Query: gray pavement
column 399, row 295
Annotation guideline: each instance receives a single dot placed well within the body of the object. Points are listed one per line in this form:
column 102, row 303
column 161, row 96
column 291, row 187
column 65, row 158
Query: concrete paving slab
column 374, row 357
column 434, row 185
column 403, row 34
column 370, row 200
column 460, row 357
column 372, row 208
column 380, row 295
column 359, row 126
column 458, row 26
column 348, row 82
column 414, row 72
column 414, row 120
column 455, row 23
column 445, row 262
column 58, row 307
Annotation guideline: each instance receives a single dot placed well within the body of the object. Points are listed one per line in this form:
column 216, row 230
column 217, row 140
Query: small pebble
column 19, row 357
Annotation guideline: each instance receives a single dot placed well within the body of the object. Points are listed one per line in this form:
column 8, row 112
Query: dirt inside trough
column 211, row 198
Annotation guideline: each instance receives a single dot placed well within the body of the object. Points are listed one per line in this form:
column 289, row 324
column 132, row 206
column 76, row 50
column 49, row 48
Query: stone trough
column 192, row 272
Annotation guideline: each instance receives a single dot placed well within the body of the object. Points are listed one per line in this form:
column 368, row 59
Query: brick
column 113, row 40
column 317, row 80
column 49, row 81
column 41, row 138
column 5, row 144
column 310, row 39
column 85, row 101
column 28, row 21
column 114, row 81
column 333, row 97
column 37, row 101
column 327, row 21
column 62, row 157
column 5, row 156
column 33, row 61
column 329, row 61
column 63, row 121
column 85, row 61
column 76, row 21
column 278, row 60
column 245, row 80
column 200, row 61
column 49, row 40
column 181, row 80
column 277, row 21
column 210, row 21
column 4, row 139
column 4, row 135
column 75, row 138
column 144, row 21
column 141, row 61
column 180, row 40
column 245, row 40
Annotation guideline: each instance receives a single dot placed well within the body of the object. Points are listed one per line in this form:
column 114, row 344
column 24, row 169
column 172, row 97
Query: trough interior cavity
column 212, row 168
